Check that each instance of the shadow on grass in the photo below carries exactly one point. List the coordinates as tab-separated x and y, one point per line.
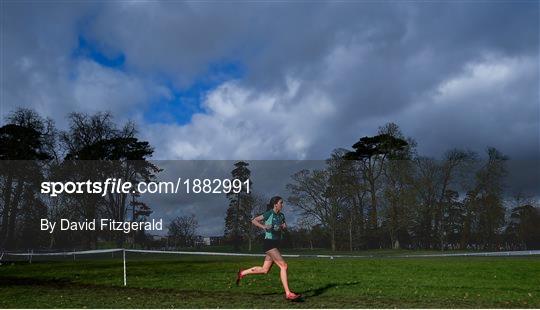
319	290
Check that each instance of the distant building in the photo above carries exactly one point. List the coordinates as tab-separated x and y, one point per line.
158	238
206	241
216	240
198	241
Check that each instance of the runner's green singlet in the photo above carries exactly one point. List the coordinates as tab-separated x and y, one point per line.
275	220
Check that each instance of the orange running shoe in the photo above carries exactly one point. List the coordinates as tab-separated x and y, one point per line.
293	296
239	276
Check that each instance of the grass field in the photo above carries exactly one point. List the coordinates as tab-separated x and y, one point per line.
204	281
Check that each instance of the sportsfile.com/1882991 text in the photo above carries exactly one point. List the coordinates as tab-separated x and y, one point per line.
117	186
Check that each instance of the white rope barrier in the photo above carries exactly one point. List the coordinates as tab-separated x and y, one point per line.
66	253
206	253
506	253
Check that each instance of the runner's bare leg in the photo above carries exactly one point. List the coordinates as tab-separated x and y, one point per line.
258	269
278	259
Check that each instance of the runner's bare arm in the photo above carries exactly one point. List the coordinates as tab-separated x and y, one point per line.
257	221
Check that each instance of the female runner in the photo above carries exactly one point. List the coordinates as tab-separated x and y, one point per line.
273	222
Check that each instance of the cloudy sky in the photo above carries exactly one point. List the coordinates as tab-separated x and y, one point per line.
283	80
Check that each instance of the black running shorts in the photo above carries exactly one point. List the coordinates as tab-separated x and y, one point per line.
269	244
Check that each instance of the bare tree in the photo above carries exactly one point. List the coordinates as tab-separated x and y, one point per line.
182	230
97	149
372	153
454	165
310	194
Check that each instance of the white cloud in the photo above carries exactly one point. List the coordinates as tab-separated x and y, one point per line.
98	88
66	85
487	76
493	102
241	123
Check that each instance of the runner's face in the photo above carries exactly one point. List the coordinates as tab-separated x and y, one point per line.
279	205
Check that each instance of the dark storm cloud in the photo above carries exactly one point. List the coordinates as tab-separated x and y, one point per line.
437	43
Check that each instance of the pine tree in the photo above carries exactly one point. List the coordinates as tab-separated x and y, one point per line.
238	218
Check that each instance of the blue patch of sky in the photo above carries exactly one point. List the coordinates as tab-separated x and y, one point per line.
88	49
185	102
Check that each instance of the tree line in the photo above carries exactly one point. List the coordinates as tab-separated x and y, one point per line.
93	148
382	194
